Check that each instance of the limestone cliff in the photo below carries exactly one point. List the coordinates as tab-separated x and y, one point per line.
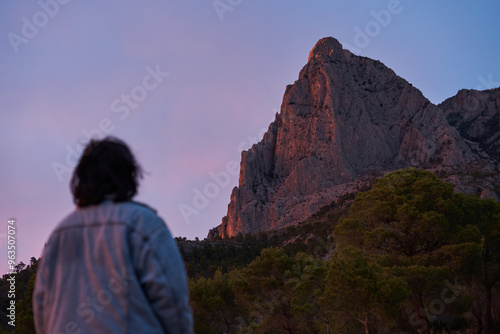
476	115
348	117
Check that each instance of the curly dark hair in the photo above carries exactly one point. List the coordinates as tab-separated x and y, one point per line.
107	168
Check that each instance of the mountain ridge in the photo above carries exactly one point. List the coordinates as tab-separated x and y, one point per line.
349	118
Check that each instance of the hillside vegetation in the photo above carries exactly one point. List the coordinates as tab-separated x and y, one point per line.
410	256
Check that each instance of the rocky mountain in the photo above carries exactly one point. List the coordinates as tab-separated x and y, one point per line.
347	119
476	115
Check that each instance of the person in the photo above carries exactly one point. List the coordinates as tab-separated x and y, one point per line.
112	265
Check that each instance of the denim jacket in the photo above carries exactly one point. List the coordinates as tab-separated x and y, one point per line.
112	268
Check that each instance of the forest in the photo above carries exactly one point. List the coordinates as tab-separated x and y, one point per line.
408	255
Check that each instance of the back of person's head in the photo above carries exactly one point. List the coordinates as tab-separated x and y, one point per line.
107	169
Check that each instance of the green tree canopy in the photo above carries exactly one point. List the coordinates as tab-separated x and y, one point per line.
427	234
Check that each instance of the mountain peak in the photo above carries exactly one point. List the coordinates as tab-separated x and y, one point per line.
327	46
345	119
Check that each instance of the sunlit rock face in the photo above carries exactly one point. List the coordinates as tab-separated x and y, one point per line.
348	117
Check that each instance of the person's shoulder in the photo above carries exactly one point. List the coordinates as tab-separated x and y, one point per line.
135	209
141	206
142	216
70	219
137	216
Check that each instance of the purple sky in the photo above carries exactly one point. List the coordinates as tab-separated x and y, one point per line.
78	66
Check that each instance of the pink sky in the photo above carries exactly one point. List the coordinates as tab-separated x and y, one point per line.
226	81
